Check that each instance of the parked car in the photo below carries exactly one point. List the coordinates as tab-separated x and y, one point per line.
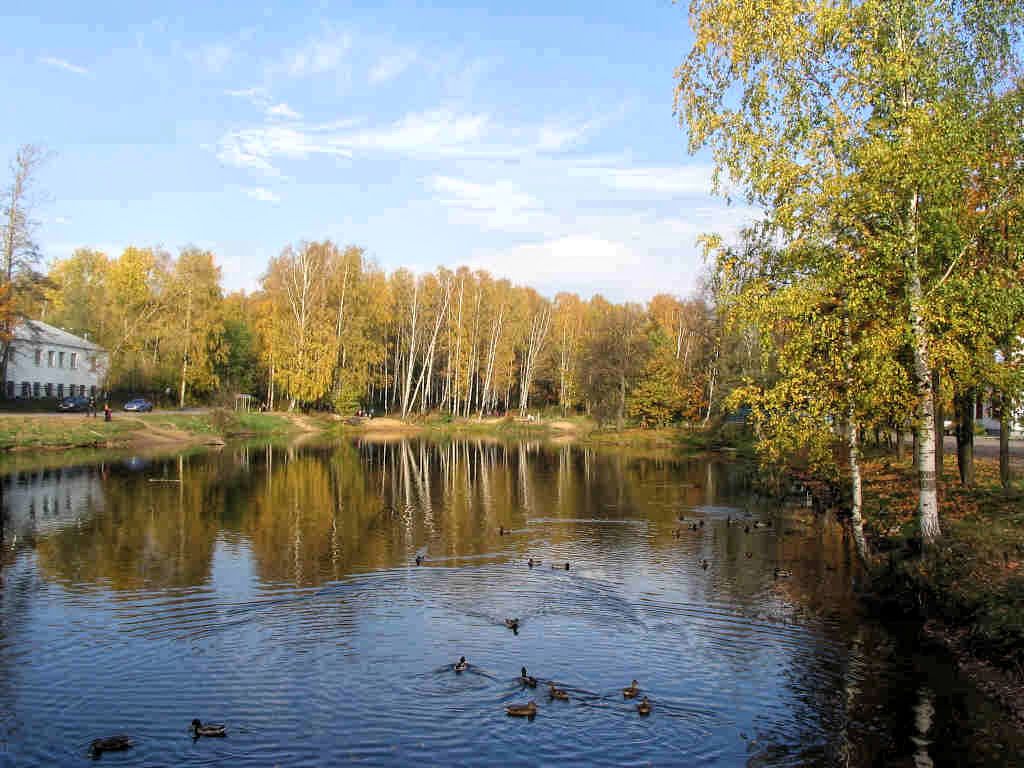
138	404
73	404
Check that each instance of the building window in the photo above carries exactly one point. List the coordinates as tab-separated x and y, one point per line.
49	389
35	389
61	359
25	389
39	357
10	389
60	391
49	358
74	359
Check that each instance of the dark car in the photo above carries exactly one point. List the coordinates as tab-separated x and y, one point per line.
138	404
73	404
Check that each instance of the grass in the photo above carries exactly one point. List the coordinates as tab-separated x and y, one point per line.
36	432
974	578
28	432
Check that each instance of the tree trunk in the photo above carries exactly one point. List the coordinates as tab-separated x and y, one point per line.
857	502
412	349
965	436
1005	477
939	422
928	499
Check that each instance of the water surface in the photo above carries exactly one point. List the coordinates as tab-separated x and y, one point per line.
276	590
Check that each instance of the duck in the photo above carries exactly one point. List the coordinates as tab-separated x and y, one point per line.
530	562
522	710
557	693
557	567
207	730
746	529
461	665
110	744
419	559
701	523
760	524
527	680
704	564
512	624
501	530
631	691
693	526
781	573
644	707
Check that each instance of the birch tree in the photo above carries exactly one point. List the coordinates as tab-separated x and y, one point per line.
837	118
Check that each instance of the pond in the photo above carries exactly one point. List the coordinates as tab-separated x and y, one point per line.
276	590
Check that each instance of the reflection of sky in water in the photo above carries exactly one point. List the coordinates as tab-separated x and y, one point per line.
276	590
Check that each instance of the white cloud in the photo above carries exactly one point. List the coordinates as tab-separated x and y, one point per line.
254	148
391	66
317	56
283	110
439	131
255	95
569	256
261	194
67	66
692	181
501	205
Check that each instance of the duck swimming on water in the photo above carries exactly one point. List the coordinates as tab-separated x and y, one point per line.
110	744
557	693
527	680
207	730
512	624
461	665
631	691
522	710
644	707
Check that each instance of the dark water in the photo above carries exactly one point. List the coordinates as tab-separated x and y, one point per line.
276	590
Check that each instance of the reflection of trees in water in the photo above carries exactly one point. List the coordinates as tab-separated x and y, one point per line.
136	534
315	513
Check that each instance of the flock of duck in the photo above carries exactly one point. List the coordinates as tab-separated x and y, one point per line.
554	693
696	525
120	742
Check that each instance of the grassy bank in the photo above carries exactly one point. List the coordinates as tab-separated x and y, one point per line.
48	432
973	581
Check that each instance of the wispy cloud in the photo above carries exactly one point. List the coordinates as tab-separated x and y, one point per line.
262	194
256	95
64	64
441	132
500	205
317	56
255	148
283	110
391	66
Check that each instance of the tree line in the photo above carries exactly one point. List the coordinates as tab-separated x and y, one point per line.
330	329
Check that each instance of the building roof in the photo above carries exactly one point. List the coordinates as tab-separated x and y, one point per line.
38	332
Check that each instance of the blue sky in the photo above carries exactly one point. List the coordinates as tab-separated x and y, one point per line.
532	139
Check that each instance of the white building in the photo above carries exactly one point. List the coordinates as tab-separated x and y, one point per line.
48	362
